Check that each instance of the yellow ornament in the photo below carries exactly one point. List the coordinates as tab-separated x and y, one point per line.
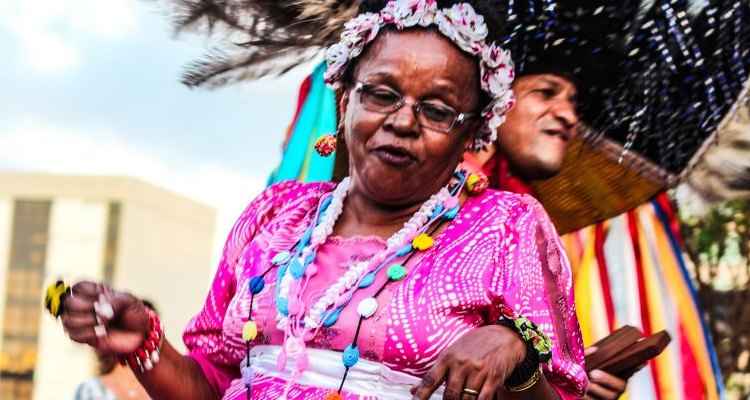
477	183
422	242
249	331
54	297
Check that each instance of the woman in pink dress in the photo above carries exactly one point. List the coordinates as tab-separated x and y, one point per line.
405	280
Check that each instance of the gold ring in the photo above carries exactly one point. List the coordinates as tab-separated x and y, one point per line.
470	392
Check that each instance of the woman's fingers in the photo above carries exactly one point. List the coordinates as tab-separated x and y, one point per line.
608	381
431	381
87	290
474	388
454	384
85	335
78	320
598	392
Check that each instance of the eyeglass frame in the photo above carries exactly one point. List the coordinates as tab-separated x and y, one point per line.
458	120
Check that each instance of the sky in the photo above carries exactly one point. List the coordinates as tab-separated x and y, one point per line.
92	87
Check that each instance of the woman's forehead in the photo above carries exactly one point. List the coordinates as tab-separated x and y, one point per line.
418	54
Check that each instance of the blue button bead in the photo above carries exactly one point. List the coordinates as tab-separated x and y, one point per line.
438	209
404	250
331	318
282	305
351	356
367	280
281	258
452	213
296	268
257	284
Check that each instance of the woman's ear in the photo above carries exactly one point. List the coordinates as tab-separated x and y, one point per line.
343	103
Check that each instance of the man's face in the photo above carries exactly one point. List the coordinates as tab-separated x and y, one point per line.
540	125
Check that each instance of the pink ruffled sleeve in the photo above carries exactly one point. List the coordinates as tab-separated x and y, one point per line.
535	279
203	336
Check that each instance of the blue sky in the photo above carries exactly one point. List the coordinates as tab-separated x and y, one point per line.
91	87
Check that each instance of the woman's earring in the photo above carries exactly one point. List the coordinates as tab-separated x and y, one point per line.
326	144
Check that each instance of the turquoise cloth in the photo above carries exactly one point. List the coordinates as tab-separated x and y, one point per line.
316	118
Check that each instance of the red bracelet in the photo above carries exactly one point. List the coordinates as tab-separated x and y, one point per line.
147	355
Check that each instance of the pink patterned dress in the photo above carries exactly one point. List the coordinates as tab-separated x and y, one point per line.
501	248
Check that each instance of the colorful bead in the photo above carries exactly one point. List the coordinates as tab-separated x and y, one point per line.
451	214
350	356
438	209
325	145
396	272
249	331
477	183
367	280
333	396
367	307
281	258
282	306
257	284
404	250
422	242
331	318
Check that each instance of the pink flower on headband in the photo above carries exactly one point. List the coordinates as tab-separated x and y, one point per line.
461	24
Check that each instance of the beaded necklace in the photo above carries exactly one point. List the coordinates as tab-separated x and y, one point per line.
295	268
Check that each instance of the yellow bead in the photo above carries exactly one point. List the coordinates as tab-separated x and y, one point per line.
471	181
422	242
477	183
249	331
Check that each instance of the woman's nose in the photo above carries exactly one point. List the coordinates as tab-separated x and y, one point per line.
403	121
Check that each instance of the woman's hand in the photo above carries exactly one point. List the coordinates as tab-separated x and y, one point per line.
112	322
479	361
604	386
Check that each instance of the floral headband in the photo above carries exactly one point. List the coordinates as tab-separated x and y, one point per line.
461	24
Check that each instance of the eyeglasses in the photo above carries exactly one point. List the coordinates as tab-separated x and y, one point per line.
430	115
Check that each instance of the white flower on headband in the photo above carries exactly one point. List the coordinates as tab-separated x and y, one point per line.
461	24
408	13
464	27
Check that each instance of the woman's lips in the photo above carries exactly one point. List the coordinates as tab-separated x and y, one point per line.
393	155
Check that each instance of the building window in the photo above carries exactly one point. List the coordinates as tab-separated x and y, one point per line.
110	246
28	252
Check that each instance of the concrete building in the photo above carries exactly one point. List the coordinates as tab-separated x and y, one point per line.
136	236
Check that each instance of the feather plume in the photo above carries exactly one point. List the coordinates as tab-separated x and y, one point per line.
256	38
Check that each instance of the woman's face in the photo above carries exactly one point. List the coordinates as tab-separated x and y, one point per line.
393	160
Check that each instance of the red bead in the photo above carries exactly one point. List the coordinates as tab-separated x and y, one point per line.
150	345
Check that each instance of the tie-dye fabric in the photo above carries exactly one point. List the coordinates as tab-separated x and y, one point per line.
501	248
